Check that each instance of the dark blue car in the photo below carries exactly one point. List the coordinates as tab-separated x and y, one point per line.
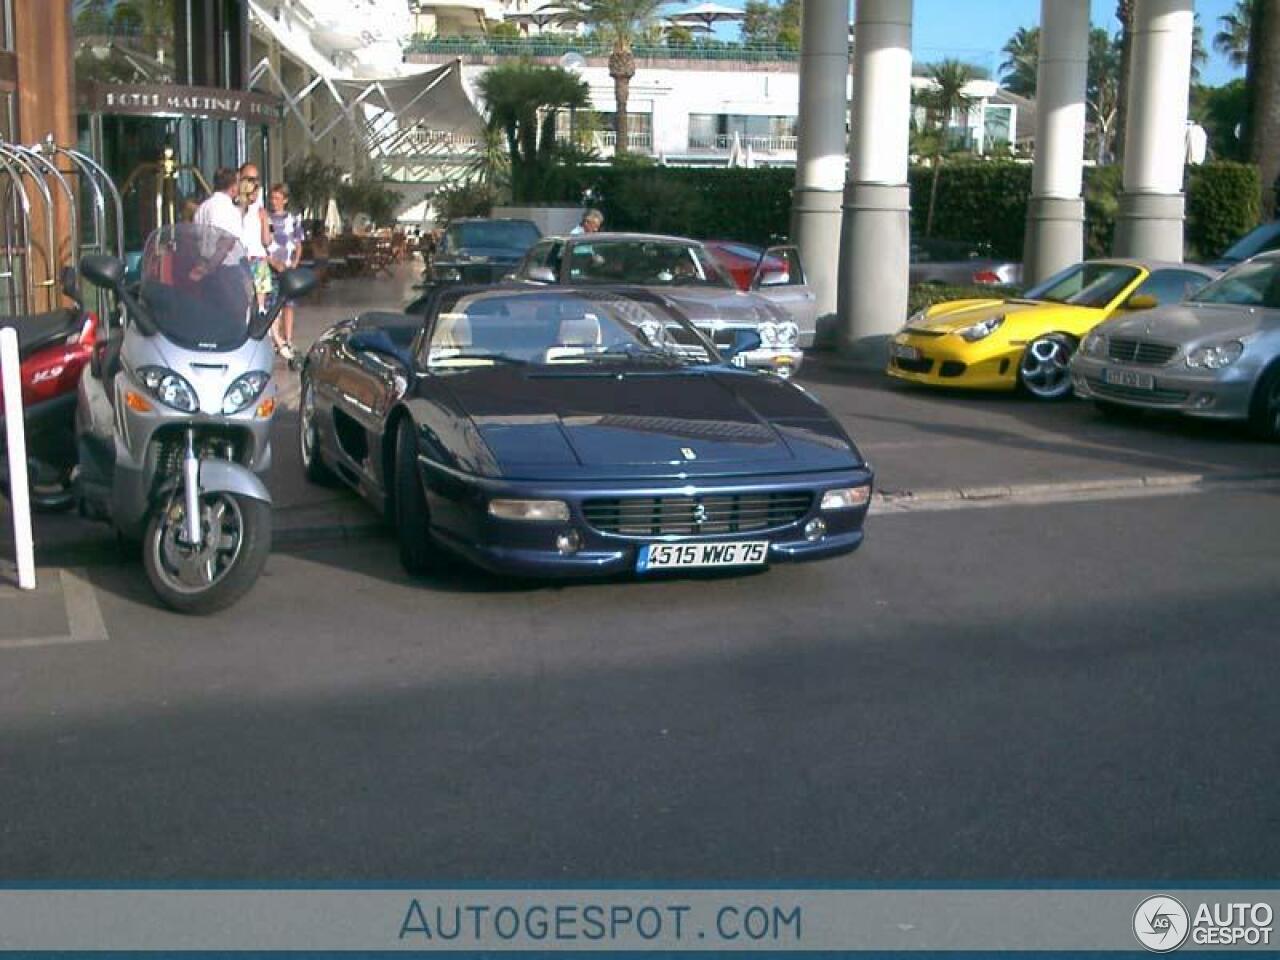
571	432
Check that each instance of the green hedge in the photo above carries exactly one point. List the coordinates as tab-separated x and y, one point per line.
983	202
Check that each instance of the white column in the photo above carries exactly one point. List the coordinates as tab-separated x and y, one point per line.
876	237
820	147
1151	206
1055	216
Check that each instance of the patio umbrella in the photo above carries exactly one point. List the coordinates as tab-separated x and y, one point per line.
332	221
545	16
705	15
736	158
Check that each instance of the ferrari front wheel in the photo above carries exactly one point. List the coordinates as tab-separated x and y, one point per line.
1045	368
418	554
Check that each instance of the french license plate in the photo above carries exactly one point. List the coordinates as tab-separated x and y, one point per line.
904	352
679	556
1129	378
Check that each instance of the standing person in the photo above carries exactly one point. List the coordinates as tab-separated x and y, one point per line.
222	265
591	222
219	209
255	233
283	253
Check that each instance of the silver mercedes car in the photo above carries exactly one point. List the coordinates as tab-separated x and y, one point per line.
1215	355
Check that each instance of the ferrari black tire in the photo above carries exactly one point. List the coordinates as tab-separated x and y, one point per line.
1264	411
238	542
418	554
313	465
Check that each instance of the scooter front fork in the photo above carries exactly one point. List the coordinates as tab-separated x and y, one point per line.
191	490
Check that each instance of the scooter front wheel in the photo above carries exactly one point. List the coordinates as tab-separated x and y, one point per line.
235	542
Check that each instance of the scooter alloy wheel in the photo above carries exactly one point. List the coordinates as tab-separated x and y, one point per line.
235	542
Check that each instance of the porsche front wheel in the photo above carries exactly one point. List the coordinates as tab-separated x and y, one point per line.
418	554
1045	368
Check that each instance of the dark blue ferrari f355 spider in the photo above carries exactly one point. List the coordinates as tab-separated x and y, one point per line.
569	432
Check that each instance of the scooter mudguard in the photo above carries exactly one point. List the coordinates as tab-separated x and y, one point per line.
223	476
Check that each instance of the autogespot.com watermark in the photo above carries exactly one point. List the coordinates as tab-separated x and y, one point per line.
1162	923
427	921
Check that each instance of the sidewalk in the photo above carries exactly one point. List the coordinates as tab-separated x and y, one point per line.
926	446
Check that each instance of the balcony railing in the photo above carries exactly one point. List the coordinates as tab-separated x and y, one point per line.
439	139
723	143
557	47
635	140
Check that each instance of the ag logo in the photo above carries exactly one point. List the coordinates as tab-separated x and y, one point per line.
1161	924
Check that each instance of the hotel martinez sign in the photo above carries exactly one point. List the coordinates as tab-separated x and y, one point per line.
154	100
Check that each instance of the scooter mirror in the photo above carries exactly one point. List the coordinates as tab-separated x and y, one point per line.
297	283
102	270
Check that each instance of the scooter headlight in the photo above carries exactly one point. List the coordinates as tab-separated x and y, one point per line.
169	388
244	390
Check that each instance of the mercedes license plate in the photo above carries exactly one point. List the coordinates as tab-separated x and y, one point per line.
1129	378
679	556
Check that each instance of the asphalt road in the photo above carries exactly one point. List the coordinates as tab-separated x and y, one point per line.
1026	692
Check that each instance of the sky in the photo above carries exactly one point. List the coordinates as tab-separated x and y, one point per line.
975	30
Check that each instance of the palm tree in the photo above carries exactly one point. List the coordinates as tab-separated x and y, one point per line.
523	100
1232	38
1022	61
1124	13
1263	80
945	99
619	22
1102	91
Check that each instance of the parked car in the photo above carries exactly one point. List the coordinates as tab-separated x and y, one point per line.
1003	343
576	431
480	251
1215	356
1260	239
955	263
780	307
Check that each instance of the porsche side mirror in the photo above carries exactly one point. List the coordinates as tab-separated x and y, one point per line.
1141	301
744	341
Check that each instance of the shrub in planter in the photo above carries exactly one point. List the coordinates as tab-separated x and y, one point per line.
1223	200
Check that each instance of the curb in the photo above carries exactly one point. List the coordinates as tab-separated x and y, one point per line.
904	501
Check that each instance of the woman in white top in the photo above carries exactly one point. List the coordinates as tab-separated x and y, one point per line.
256	233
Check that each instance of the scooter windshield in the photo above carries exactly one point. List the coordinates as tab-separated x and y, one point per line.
197	286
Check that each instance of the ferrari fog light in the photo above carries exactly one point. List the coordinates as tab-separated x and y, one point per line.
533	510
845	497
569	542
815	529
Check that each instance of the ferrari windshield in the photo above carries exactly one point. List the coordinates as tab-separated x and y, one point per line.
561	328
1253	284
1085	284
640	261
196	286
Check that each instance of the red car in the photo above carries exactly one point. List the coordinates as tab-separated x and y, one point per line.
740	260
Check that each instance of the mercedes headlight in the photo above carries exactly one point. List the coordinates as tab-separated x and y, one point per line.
1095	345
981	330
788	334
768	331
169	388
1215	356
244	390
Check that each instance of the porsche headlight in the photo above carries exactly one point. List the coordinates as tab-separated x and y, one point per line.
1215	356
1095	345
244	390
788	334
981	330
768	331
169	388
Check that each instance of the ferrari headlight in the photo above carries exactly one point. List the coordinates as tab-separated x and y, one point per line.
1215	356
788	334
843	498
981	330
768	331
536	511
244	390
169	388
1095	345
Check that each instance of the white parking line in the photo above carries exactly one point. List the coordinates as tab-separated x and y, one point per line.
84	616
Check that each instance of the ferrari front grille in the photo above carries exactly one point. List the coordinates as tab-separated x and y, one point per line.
697	516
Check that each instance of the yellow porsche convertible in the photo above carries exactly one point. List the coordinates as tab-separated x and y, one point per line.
1028	341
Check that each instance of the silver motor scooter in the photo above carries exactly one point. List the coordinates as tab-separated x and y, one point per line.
174	412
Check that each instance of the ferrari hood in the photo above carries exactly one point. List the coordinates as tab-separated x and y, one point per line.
597	423
958	314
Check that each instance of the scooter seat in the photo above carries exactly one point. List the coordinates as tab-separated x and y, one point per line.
38	330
